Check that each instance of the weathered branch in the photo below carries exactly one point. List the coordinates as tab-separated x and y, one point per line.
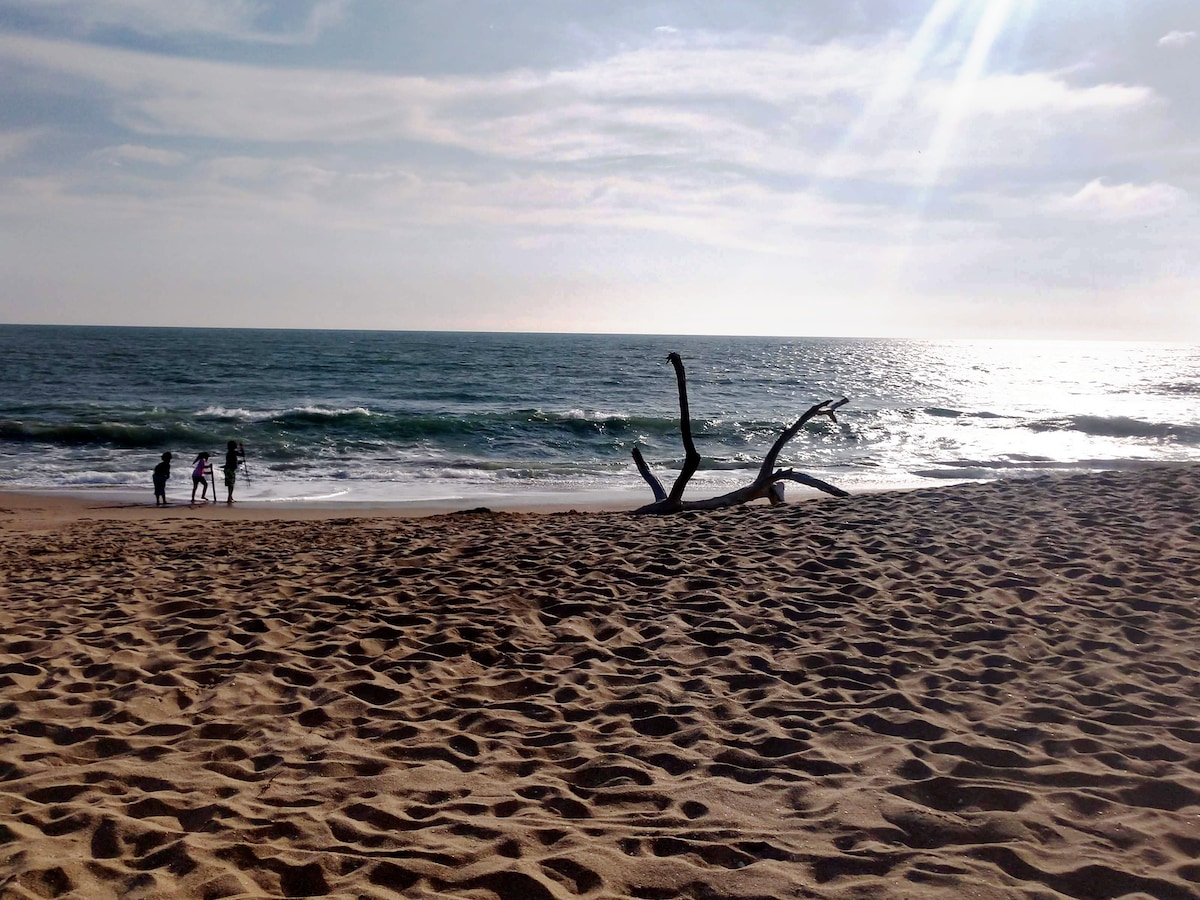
691	459
655	485
762	485
824	408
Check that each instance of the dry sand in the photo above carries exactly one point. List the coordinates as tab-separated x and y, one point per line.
970	692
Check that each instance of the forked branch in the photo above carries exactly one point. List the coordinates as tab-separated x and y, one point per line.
763	484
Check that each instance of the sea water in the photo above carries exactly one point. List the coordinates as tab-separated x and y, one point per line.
380	417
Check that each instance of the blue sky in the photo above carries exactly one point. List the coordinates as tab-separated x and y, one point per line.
948	168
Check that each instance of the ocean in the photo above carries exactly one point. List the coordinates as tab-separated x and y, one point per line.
375	417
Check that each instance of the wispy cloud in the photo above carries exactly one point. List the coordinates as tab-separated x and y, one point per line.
238	20
1176	38
14	143
154	94
1115	202
137	153
401	198
771	105
1047	93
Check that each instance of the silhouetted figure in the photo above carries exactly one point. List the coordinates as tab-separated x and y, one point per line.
200	468
161	473
234	453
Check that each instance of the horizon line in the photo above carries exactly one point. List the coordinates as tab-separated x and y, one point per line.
625	334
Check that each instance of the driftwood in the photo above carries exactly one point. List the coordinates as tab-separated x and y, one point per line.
764	485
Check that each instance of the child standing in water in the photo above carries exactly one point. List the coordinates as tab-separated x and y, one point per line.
201	467
161	473
233	454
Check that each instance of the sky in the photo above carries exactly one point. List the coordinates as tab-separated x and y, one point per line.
916	168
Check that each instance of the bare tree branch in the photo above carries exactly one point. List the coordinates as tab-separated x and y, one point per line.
763	483
655	485
691	459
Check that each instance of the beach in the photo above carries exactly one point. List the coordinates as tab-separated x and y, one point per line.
975	691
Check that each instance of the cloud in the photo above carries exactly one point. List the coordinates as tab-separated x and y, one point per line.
775	71
1176	38
1039	92
769	104
161	95
255	192
14	143
699	140
239	20
137	153
1118	202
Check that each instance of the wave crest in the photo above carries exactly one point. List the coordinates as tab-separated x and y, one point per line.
1121	427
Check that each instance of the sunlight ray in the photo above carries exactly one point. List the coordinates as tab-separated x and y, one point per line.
950	117
881	108
991	21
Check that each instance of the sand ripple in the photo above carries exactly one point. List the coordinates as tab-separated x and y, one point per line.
982	692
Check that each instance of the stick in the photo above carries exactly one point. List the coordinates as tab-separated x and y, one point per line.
245	468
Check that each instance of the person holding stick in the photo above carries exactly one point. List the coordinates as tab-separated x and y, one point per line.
234	453
201	467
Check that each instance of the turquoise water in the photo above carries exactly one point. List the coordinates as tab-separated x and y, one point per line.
397	416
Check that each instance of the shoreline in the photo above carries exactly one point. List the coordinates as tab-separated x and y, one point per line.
60	505
65	504
52	507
